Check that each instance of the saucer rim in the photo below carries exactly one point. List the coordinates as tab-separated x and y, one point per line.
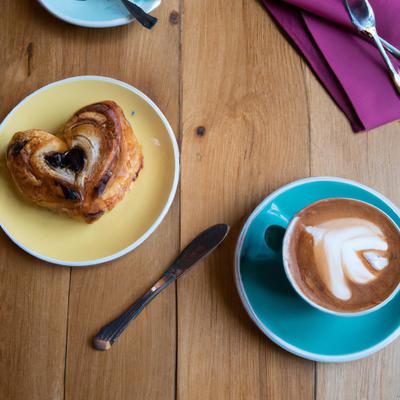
247	304
168	203
93	24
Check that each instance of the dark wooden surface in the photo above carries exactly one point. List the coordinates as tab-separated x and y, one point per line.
250	117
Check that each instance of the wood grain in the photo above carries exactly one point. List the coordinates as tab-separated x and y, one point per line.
235	84
42	49
252	118
33	294
142	364
33	310
371	159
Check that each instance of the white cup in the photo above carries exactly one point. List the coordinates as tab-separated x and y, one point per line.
285	254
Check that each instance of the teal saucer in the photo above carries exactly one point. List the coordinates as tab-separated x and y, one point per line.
95	13
274	305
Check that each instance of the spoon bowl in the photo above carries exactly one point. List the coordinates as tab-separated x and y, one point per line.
363	18
361	13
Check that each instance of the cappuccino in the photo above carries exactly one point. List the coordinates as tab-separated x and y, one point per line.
343	255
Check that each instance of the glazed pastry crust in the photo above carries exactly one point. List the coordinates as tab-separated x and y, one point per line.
84	172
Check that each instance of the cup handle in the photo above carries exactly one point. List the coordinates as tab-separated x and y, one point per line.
273	237
275	231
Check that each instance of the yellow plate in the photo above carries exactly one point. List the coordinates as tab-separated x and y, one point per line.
64	241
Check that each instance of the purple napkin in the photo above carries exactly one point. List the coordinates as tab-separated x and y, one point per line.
349	66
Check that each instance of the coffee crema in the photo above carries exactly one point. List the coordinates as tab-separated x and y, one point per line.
343	255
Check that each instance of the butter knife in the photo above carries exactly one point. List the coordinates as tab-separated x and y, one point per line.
200	247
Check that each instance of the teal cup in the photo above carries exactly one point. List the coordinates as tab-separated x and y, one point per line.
274	304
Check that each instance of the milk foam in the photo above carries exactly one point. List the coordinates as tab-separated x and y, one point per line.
339	247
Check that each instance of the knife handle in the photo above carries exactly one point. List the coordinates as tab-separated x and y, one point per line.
108	335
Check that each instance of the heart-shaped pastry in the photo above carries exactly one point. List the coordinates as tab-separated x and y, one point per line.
84	172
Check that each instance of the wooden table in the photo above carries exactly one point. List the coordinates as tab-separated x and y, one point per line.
213	64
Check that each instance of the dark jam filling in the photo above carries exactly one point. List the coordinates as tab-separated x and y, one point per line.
103	183
17	147
73	159
70	194
91	217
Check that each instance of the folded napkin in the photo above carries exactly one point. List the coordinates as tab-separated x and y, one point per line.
348	65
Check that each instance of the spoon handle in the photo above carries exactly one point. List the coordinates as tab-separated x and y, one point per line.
394	50
392	71
147	20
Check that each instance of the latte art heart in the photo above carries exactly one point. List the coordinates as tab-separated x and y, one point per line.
84	172
348	249
343	255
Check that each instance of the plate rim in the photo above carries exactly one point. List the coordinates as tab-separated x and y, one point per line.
167	204
92	24
247	305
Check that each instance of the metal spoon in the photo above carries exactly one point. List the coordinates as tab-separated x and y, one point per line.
147	20
393	49
194	252
363	19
